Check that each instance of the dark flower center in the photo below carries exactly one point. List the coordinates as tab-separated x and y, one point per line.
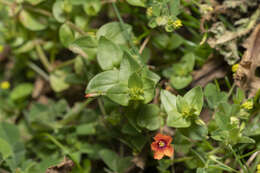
161	144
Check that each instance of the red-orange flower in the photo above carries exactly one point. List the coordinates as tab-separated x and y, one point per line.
162	146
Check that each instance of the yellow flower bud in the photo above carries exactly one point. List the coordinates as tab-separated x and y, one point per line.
247	105
1	48
149	11
5	85
235	67
258	168
177	23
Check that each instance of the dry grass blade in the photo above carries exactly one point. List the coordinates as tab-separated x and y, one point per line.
64	167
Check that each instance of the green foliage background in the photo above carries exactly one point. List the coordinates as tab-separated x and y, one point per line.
56	51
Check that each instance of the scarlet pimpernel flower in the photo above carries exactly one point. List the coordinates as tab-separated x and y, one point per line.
162	146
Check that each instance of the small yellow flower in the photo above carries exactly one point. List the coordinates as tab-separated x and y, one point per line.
247	105
258	168
149	11
235	68
5	85
1	48
177	23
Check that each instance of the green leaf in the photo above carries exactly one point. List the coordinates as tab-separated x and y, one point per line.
85	46
201	170
180	82
128	66
114	162
103	81
112	31
27	47
214	97
66	35
9	133
195	100
119	93
5	149
175	41
223	113
92	7
195	132
175	7
34	2
31	22
246	140
239	96
109	55
138	3
135	81
149	90
146	73
79	65
137	142
149	118
58	12
21	91
57	81
86	129
175	119
161	41
188	60
168	100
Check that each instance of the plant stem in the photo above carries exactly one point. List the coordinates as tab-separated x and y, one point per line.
101	107
71	61
76	28
238	159
38	70
231	90
126	35
43	58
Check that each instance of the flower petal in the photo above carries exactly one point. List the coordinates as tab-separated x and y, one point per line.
158	155
158	137
167	139
154	146
169	151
